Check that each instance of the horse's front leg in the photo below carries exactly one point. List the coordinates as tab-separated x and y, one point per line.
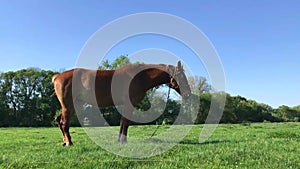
123	130
124	124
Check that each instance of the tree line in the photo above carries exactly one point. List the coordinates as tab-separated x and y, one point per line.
27	99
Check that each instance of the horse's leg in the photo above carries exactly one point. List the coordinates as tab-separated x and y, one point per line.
64	95
125	124
57	120
65	125
121	128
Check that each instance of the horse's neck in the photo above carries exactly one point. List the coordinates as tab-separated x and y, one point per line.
158	75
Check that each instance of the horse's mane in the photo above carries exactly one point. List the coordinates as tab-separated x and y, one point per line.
146	66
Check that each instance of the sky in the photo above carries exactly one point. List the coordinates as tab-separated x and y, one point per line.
258	42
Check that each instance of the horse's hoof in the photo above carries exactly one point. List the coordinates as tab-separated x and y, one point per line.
66	144
69	144
122	141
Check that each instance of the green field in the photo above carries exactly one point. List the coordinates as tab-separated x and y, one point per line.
261	145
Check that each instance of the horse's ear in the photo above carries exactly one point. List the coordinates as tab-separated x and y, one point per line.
179	66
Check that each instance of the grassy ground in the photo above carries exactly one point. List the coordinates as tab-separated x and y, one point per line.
265	145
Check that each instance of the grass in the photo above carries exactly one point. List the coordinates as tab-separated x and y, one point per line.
260	145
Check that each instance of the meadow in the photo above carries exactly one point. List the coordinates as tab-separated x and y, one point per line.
250	145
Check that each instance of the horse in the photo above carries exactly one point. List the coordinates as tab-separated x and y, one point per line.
125	86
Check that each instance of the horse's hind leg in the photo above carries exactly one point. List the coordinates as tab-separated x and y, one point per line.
64	95
63	121
57	120
65	125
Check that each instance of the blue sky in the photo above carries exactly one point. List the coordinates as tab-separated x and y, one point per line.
258	42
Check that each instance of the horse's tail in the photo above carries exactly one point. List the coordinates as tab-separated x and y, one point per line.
53	81
54	77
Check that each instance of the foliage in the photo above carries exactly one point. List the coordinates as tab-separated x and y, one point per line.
118	62
239	110
27	98
287	113
263	145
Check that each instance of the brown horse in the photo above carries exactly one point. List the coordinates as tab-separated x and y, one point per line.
124	86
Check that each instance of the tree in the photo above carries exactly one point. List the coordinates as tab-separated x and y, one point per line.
230	109
199	85
118	62
297	109
28	97
287	114
4	109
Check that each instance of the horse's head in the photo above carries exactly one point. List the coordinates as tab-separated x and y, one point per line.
178	81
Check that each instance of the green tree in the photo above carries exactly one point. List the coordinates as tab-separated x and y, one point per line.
238	109
287	113
117	63
205	101
230	109
170	113
5	111
28	97
297	109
